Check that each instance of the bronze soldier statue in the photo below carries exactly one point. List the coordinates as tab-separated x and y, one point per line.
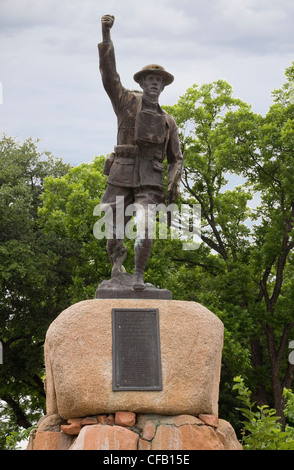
146	134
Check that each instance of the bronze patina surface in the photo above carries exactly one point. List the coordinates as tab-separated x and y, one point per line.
136	349
146	135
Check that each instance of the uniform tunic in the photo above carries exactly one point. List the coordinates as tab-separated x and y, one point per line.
146	134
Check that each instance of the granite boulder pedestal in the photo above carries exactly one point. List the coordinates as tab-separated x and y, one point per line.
83	404
78	357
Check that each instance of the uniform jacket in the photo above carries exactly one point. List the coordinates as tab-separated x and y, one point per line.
138	160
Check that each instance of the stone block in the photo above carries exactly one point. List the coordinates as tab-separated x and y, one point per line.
50	423
102	419
78	357
50	440
151	432
227	436
186	437
148	430
98	437
210	420
89	420
144	445
125	418
73	427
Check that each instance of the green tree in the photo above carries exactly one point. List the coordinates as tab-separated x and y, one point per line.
222	140
243	270
29	290
262	429
67	214
238	168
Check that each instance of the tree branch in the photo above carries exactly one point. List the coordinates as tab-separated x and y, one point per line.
263	289
195	263
286	248
21	418
279	276
219	248
284	339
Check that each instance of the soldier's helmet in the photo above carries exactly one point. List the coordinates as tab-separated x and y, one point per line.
168	78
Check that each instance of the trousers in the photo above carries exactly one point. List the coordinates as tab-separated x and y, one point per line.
115	203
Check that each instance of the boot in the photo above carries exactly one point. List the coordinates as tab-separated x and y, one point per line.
117	253
138	280
142	252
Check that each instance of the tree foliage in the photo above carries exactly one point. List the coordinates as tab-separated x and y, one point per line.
245	265
67	213
262	429
31	290
239	170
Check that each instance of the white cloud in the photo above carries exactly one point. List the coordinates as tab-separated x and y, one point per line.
49	61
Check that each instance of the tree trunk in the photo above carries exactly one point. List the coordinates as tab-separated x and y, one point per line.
259	395
21	418
277	389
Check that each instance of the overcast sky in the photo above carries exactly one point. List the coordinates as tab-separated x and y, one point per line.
49	69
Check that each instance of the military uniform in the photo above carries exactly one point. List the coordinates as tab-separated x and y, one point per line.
146	134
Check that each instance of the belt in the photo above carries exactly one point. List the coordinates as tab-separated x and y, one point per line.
127	150
146	152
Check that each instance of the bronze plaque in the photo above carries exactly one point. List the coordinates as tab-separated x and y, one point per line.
136	349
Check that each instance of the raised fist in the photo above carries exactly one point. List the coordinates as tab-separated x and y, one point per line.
107	21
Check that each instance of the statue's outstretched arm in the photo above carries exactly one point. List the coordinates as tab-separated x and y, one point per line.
107	23
110	77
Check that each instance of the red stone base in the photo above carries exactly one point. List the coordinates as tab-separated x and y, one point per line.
128	431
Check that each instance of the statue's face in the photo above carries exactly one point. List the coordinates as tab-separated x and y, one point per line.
153	85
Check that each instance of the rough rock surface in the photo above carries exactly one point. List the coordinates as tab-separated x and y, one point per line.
78	357
148	432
